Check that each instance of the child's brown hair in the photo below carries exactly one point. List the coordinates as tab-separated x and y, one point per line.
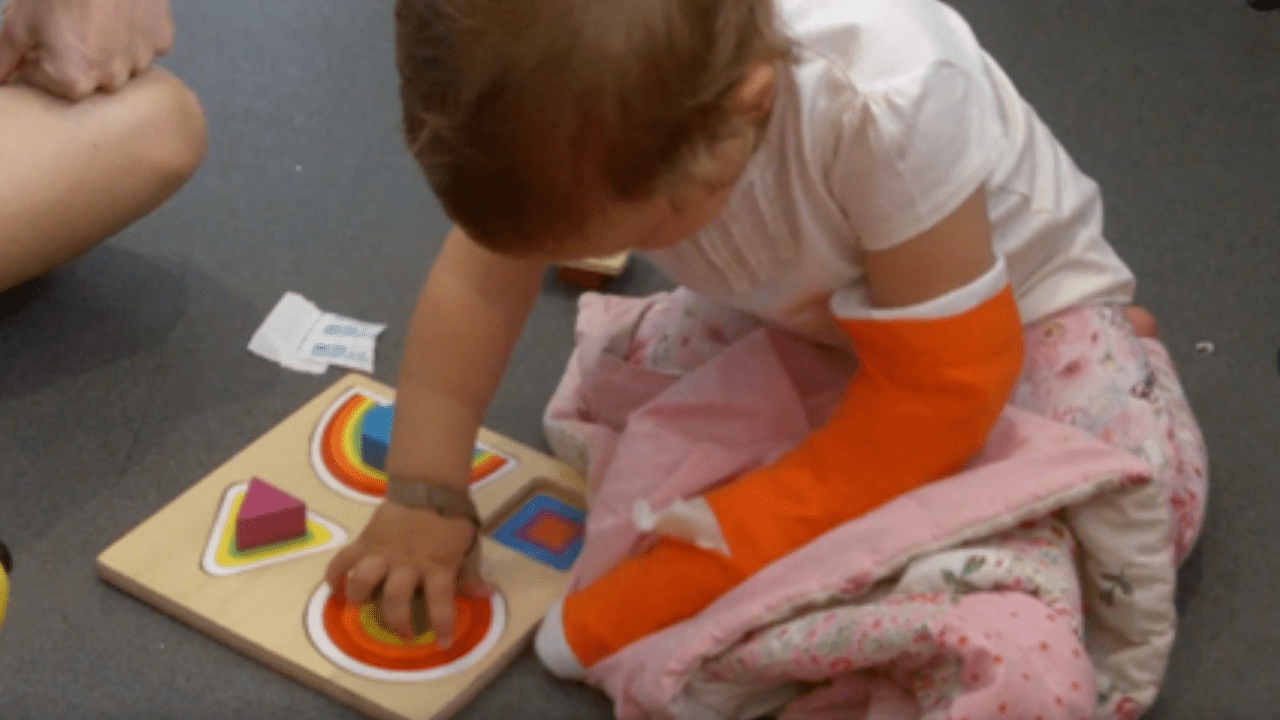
515	107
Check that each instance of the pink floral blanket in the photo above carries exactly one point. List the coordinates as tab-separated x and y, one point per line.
1039	583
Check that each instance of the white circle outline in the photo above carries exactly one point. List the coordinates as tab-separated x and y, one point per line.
320	638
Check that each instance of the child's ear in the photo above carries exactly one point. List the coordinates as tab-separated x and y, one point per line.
755	93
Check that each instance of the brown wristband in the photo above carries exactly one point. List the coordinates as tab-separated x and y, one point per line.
445	500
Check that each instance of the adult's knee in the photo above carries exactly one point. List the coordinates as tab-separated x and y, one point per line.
172	133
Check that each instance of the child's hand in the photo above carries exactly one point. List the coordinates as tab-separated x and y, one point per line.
411	548
73	48
469	315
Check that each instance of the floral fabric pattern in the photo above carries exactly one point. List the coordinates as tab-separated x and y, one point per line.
993	628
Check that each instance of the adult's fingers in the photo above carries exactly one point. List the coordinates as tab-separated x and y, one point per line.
397	598
165	37
140	58
117	75
14	44
62	82
441	585
154	22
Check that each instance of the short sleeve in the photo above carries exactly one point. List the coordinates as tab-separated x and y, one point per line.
906	154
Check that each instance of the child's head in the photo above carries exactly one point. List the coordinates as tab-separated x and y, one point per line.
567	128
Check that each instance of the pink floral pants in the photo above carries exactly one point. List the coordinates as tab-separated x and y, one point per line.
1086	367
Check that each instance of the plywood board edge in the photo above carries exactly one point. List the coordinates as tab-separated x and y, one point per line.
273	661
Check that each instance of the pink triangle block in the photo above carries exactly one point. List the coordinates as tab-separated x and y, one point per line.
268	515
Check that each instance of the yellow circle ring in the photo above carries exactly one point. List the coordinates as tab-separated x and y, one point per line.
371	619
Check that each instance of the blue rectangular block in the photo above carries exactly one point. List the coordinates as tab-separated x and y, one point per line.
375	436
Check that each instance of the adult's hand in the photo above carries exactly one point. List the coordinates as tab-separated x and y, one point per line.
73	48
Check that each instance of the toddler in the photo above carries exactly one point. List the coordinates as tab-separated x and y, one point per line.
859	172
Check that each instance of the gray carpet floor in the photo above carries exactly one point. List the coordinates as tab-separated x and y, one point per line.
124	378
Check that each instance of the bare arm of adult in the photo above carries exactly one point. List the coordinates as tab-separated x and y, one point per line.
469	315
73	48
72	174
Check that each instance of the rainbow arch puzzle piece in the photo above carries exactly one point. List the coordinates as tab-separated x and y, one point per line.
348	448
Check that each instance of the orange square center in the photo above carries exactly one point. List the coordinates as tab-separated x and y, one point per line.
552	532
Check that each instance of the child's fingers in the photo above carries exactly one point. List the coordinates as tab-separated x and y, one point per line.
441	586
336	572
397	598
364	577
473	582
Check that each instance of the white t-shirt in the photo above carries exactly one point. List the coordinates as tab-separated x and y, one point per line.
890	118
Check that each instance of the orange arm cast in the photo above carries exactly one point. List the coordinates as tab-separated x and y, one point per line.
939	336
919	409
941	346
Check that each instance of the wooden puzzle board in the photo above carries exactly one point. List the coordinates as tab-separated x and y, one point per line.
260	612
